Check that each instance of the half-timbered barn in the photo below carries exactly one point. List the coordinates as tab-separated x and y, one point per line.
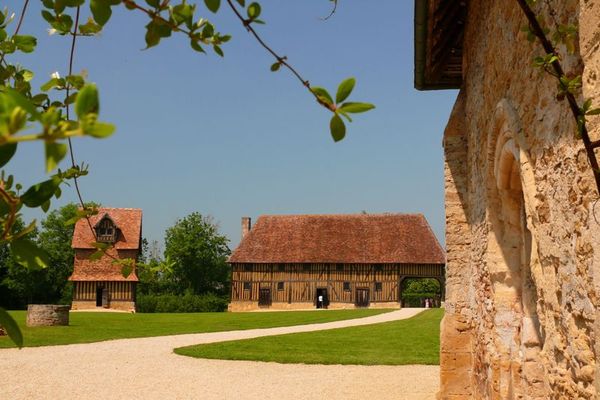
101	283
331	261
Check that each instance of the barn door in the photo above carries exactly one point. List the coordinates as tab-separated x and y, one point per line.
264	297
105	298
362	297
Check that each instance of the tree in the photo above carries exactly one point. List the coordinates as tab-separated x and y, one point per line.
198	254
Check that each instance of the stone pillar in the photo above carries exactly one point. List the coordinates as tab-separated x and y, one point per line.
455	336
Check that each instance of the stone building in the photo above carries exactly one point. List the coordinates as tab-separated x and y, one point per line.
331	261
100	283
522	221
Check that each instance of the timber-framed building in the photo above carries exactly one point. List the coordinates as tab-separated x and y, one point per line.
331	261
100	283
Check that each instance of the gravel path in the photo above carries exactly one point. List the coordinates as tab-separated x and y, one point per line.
147	368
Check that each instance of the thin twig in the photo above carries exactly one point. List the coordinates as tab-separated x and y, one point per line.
335	4
575	110
21	17
67	106
280	59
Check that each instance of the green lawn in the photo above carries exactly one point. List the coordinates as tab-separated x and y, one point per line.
410	341
86	327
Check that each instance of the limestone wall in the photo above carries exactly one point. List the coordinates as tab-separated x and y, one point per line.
523	264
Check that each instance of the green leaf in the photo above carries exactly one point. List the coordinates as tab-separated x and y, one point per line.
218	50
41	192
100	11
12	329
7	151
154	32
90	126
153	3
196	46
322	94
25	43
90	27
275	66
253	10
126	270
55	152
213	5
242	3
356	108
337	128
52	83
594	111
344	90
95	256
28	254
87	100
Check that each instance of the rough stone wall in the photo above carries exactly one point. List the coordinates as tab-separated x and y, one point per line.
523	264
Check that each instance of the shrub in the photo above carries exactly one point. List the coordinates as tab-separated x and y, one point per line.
171	303
418	299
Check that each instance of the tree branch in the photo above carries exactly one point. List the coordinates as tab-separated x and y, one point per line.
575	110
280	59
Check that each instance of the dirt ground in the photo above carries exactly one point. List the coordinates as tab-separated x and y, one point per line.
147	368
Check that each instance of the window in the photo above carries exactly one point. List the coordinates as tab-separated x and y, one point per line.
281	267
247	285
306	267
279	285
378	267
247	267
346	286
378	286
106	231
339	267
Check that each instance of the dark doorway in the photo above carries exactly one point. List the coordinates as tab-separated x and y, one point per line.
362	297
322	299
264	297
99	291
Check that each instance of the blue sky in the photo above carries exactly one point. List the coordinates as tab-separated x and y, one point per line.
228	138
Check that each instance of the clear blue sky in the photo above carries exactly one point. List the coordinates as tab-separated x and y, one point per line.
228	138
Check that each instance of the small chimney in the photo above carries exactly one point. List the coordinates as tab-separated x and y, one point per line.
246	226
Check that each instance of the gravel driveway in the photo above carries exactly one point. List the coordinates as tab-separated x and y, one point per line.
147	368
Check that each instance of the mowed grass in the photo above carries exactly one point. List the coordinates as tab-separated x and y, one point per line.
411	341
87	327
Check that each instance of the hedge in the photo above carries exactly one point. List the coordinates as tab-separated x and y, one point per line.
171	303
416	299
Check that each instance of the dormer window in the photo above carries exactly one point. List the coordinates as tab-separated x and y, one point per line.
106	230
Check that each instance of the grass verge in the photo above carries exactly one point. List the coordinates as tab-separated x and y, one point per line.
87	327
410	341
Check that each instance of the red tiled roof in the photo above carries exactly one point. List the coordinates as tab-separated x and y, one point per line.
104	269
128	220
360	238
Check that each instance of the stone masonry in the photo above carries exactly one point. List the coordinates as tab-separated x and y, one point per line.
523	223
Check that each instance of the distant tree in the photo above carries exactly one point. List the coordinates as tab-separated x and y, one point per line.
198	254
55	238
421	285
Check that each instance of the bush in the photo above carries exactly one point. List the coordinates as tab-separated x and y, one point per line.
418	299
188	303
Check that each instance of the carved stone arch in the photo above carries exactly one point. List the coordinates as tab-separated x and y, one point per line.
511	258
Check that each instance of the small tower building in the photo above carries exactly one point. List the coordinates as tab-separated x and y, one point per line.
100	283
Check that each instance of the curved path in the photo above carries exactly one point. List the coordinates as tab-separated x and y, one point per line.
147	368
